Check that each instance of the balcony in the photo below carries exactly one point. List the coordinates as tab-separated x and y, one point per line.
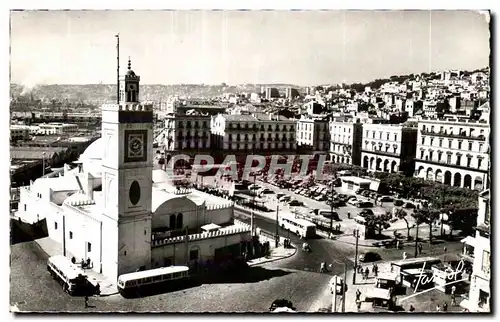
384	153
452	135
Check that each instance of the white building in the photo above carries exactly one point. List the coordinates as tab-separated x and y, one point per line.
256	132
345	141
116	211
313	134
186	133
56	128
478	251
19	132
388	148
454	152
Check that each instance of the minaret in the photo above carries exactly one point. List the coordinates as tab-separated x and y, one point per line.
127	165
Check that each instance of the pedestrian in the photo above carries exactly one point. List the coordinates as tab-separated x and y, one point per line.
438	308
453	302
86	301
375	271
445	249
358	294
420	248
445	307
367	272
453	290
358	304
412	309
397	244
404	255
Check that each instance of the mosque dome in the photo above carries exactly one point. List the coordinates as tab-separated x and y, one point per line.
91	158
93	151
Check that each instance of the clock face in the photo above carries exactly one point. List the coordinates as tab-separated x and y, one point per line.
135	144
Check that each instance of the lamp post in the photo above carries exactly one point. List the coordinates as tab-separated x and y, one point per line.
43	164
416	241
356	235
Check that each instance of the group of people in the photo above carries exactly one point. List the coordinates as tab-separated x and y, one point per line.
366	271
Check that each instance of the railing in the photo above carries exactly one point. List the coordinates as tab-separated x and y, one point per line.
452	135
194	237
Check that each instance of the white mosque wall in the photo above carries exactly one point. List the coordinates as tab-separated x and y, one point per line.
178	251
134	244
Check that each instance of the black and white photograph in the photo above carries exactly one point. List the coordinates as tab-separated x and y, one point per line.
250	161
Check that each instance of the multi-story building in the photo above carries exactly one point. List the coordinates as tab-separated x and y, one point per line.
313	135
19	132
389	148
454	152
252	133
345	141
57	128
188	134
477	251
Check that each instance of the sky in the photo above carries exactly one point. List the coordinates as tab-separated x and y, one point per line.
237	47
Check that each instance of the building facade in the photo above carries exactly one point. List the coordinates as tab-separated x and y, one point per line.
389	148
454	152
477	251
188	134
313	135
346	142
257	133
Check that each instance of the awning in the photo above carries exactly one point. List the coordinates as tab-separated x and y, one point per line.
210	227
378	293
469	240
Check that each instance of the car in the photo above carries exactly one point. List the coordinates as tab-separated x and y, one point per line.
365	193
365	204
340	284
359	191
285	198
295	203
353	202
385	199
398	202
365	212
369	257
352	197
409	205
280	303
320	198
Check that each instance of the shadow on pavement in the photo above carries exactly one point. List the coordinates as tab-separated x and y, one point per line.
21	232
252	274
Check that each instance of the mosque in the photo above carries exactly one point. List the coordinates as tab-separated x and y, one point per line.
116	211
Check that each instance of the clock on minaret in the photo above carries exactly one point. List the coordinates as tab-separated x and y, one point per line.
135	145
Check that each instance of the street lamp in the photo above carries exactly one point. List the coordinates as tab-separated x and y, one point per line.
356	235
43	164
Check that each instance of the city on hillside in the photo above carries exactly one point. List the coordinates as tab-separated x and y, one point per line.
390	214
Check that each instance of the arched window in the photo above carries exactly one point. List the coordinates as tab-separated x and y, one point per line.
172	222
179	221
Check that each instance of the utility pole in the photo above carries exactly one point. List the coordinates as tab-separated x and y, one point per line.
253	205
356	235
416	243
277	227
344	285
331	208
187	246
334	299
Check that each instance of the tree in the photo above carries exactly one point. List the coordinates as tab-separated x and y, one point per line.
401	214
378	222
426	216
463	219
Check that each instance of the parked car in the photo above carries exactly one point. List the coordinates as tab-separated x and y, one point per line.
409	205
365	193
398	202
280	303
320	198
285	198
365	204
353	202
369	257
385	199
365	212
351	197
359	191
295	203
266	191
